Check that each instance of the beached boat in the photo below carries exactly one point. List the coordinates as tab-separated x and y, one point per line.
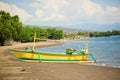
24	55
69	56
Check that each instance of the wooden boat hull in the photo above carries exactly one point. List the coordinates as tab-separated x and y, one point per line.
48	57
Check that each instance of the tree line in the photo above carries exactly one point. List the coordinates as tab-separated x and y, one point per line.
12	29
80	35
107	33
49	33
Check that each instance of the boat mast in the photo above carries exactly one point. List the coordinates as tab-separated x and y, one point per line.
34	41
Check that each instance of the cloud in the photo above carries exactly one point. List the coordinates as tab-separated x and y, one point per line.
48	11
112	14
14	10
64	12
74	11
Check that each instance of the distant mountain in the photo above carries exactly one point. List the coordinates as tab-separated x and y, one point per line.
83	27
66	30
96	27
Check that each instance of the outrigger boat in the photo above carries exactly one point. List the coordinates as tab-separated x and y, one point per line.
81	56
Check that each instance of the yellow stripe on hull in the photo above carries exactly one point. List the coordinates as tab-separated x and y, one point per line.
63	57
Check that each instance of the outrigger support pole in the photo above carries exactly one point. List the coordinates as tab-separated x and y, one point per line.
93	57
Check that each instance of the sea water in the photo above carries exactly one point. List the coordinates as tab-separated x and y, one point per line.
105	49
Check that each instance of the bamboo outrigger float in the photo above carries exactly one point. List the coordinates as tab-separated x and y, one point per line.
82	56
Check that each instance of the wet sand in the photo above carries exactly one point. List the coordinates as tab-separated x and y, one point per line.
12	69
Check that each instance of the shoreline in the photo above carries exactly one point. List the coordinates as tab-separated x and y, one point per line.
12	69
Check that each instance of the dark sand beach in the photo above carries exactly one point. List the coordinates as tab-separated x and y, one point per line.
12	69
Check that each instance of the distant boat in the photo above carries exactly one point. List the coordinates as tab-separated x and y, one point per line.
69	56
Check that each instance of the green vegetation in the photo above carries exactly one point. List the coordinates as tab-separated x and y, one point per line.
108	33
53	33
50	33
10	27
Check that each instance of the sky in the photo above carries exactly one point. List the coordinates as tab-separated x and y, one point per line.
64	12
